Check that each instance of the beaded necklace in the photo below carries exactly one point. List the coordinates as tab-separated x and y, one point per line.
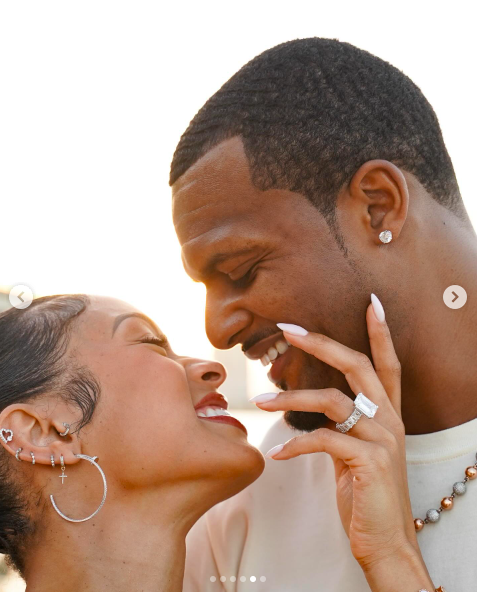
447	503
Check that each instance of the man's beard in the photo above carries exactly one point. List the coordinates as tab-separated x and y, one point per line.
313	375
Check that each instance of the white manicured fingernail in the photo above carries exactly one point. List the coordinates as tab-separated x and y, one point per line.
275	450
263	398
292	329
378	308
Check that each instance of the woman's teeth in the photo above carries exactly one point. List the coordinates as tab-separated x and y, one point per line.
274	352
212	412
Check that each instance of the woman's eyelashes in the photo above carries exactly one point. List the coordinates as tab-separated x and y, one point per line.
154	340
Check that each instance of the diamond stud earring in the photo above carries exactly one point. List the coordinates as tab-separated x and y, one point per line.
386	236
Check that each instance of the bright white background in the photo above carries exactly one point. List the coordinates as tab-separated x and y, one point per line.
95	95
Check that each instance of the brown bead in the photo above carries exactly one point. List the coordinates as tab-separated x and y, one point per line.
471	472
418	524
447	503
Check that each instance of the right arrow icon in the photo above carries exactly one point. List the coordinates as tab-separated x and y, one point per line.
455	297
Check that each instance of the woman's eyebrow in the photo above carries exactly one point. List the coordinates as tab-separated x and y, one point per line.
139	315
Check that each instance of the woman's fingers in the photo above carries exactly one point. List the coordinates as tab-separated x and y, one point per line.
356	366
353	452
332	402
386	363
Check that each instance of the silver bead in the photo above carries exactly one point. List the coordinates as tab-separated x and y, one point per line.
459	488
432	515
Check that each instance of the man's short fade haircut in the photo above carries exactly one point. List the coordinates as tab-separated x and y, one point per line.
311	111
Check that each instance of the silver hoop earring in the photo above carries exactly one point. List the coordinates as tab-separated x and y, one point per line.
32	458
65	433
52	460
92	460
6	435
386	236
17	454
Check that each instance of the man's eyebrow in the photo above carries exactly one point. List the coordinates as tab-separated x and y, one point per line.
219	258
139	315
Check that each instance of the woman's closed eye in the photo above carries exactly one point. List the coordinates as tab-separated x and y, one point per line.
154	340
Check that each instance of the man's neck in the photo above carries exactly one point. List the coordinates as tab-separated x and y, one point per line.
439	382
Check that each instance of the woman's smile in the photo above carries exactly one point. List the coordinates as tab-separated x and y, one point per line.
213	407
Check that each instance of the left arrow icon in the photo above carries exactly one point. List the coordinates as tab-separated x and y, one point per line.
21	296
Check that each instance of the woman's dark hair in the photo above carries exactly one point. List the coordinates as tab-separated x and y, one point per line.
33	344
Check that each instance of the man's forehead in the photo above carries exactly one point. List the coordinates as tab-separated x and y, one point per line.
215	191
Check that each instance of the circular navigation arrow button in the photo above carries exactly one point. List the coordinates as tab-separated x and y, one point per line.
455	297
20	296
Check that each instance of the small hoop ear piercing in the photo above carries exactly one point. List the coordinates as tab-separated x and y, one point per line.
17	453
6	435
386	236
52	460
92	460
32	458
65	433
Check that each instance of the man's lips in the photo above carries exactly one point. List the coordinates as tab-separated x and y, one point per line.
261	347
275	374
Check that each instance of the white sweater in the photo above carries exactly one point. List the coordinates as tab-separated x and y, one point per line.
286	528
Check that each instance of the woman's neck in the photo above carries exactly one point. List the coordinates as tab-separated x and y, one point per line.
128	546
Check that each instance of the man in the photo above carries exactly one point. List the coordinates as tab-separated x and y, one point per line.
284	187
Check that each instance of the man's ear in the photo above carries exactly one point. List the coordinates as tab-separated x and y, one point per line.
378	195
36	427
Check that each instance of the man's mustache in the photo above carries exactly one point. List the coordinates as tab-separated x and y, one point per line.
256	337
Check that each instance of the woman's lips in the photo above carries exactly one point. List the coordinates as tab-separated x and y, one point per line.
226	419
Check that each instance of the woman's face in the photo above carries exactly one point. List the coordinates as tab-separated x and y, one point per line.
150	428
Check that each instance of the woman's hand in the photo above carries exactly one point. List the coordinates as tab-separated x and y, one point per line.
370	459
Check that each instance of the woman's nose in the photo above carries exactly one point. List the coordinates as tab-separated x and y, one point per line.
206	372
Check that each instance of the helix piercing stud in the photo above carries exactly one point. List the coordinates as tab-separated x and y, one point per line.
6	435
17	453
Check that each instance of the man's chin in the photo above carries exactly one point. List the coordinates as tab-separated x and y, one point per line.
305	421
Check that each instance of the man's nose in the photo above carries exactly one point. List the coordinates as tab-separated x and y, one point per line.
225	318
205	373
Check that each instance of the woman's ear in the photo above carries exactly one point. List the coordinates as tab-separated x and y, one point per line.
380	197
35	428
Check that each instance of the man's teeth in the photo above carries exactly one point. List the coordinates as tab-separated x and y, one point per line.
274	352
212	412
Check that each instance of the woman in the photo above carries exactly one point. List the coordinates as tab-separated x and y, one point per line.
90	387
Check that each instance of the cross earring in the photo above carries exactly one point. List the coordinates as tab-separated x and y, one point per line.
62	476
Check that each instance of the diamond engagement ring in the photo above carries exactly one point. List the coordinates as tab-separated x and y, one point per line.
362	406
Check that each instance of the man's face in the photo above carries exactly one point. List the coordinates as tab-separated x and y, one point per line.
267	257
